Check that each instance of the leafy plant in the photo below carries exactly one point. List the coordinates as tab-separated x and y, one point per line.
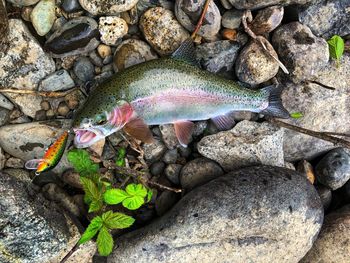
120	161
101	225
336	48
81	162
296	115
133	197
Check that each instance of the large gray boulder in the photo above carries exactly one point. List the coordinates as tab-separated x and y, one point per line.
252	215
257	4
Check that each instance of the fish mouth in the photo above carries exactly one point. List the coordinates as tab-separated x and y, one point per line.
86	137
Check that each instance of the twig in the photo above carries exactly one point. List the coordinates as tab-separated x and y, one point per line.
200	21
48	94
70	253
320	135
337	134
320	84
248	18
140	176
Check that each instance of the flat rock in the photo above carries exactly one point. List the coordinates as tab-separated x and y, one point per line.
245	215
332	244
23	63
257	4
248	143
58	81
300	51
5	102
29	104
323	110
43	16
33	229
107	7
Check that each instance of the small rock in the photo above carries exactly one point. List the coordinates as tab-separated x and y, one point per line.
333	170
40	115
63	109
46	232
188	13
71	6
169	136
104	51
72	178
112	28
77	36
267	20
248	143
165	201
96	59
4	116
294	42
225	218
289	165
2	159
198	172
332	244
107	7
45	105
97	147
185	152
257	4
23	2
156	23
232	19
327	18
25	13
226	4
132	52
153	151
23	63
254	65
306	169
199	128
29	104
14	163
84	69
172	173
5	103
170	156
242	115
157	168
50	113
325	194
43	16
218	56
84	253
229	34
58	81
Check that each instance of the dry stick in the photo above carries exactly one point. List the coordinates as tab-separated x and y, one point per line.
70	253
140	176
320	84
321	135
200	21
48	94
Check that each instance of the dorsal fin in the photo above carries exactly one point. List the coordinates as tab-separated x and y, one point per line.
187	52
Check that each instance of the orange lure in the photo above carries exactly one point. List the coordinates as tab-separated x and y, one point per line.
51	157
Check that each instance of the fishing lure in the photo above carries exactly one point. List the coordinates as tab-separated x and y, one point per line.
51	157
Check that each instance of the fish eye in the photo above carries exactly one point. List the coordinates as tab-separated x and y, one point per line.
101	119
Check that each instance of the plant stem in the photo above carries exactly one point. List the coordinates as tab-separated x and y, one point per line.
48	94
200	21
70	253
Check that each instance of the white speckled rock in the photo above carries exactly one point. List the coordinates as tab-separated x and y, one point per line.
23	63
111	29
43	16
243	216
248	143
162	30
107	7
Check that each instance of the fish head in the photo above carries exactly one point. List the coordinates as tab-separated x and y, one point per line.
90	127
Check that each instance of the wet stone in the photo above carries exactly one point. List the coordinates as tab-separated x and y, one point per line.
170	156
112	28
172	173
43	16
107	7
79	35
157	168
267	20
71	6
58	81
232	19
84	69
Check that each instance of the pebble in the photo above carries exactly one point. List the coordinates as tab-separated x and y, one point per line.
156	23
14	163
104	51
45	105
185	152
77	36
294	42
107	7
232	19
25	13
57	81
325	194
198	172
50	113
170	156
248	143
218	56
258	4
2	159
132	52
199	128
254	66
306	169
229	34
63	109
233	211
72	178
169	136
172	173
40	115
24	64
84	69
165	201
112	28
333	170
157	168
153	151
4	116
188	12
96	59
71	6
43	16
23	2
5	102
267	20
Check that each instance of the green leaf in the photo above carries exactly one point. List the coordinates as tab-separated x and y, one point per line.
91	230
90	188
114	196
336	47
149	195
120	162
296	115
117	220
121	153
136	190
104	242
95	205
133	203
81	162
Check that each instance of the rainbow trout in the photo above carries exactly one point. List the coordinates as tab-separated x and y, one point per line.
168	90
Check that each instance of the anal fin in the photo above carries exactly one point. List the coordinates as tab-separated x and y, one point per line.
183	131
139	129
223	122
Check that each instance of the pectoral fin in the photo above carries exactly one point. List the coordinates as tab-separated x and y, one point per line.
138	129
33	164
223	122
183	131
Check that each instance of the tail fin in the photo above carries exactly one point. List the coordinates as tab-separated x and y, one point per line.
275	107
